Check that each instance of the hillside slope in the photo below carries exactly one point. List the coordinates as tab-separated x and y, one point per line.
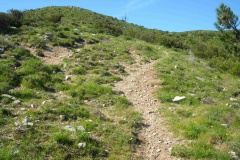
72	86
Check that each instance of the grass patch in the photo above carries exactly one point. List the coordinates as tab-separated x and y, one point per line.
205	116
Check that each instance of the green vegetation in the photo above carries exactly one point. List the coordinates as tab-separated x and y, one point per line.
39	99
226	19
209	115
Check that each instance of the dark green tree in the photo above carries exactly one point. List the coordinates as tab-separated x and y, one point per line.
4	21
16	17
227	20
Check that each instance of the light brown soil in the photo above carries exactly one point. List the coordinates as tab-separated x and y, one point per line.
140	88
53	55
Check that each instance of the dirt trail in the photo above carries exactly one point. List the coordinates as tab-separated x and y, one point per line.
140	88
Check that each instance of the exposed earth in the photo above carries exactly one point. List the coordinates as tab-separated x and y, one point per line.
140	87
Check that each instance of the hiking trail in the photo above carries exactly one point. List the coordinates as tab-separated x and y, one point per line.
140	87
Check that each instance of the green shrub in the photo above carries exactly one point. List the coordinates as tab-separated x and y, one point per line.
199	150
37	42
73	112
5	21
236	70
6	112
64	139
62	86
53	17
7	153
4	87
90	90
93	147
25	93
37	81
122	102
21	53
65	42
8	76
79	70
16	17
32	66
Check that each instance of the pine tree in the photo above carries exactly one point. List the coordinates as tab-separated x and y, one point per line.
227	20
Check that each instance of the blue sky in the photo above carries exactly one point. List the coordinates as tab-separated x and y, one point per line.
167	15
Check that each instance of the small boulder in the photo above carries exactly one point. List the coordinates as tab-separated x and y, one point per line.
23	109
82	145
68	77
80	128
8	96
178	98
25	120
28	124
33	106
69	128
233	99
224	125
48	37
75	30
233	154
44	102
235	105
62	117
17	102
1	50
17	123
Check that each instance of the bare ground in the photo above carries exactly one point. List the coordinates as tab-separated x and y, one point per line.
140	88
53	55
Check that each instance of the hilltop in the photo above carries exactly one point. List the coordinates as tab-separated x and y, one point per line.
76	84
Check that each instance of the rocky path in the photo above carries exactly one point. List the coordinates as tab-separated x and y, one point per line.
140	88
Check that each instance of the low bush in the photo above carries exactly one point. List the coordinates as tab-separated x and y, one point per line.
64	139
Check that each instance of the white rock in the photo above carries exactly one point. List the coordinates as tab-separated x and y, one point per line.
233	154
33	106
235	105
17	102
69	128
62	117
80	128
224	125
23	109
233	99
26	120
17	123
192	94
201	79
68	77
44	102
28	124
178	98
75	30
225	89
82	145
8	96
